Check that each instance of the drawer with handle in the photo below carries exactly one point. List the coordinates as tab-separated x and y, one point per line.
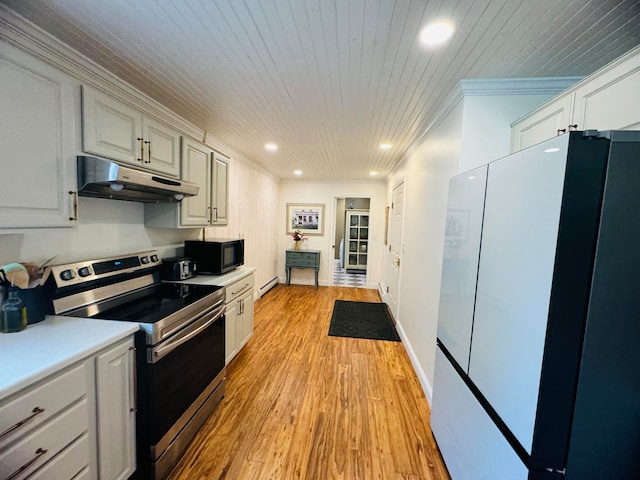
302	259
29	410
68	463
36	449
236	289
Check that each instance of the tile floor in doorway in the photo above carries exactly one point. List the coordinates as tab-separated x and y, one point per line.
343	279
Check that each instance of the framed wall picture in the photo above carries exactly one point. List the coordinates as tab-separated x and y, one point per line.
305	217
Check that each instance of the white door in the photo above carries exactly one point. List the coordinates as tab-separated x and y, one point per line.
395	247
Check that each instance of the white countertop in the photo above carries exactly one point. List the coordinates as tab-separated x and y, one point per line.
55	343
221	280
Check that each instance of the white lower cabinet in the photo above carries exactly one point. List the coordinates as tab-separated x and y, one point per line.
239	315
231	333
245	318
116	412
77	423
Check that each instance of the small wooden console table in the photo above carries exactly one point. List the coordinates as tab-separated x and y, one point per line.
302	259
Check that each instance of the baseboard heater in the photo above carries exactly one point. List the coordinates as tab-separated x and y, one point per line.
267	286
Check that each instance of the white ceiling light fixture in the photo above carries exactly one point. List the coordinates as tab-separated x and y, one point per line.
373	173
297	172
385	146
436	33
272	147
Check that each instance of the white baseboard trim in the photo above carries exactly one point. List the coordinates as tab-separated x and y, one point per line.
268	286
422	378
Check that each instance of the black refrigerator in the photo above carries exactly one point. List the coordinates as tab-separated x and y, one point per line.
537	372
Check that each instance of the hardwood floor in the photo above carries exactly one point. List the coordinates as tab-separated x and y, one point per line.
302	404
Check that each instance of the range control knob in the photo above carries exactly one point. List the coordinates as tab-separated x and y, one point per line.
67	275
144	260
154	258
84	272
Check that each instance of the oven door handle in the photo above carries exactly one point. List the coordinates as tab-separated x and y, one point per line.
157	353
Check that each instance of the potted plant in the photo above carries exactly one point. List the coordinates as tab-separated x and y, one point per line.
298	237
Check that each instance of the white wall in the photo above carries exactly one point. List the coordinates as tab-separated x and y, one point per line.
486	129
325	192
426	173
105	228
471	130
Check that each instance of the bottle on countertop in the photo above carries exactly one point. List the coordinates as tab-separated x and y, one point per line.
13	316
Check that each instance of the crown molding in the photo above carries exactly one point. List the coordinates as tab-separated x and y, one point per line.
490	87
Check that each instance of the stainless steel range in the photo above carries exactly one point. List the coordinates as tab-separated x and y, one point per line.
180	347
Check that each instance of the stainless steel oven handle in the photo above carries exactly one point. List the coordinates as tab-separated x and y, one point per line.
161	351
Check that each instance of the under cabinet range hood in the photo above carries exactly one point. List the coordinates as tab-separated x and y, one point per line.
101	178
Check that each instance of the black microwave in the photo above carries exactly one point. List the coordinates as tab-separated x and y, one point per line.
215	256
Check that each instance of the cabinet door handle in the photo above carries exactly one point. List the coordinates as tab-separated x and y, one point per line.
573	127
561	131
210	221
141	140
74	205
148	160
39	453
215	218
34	412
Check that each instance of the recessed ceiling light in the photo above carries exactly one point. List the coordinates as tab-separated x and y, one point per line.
385	146
373	174
436	33
272	147
297	172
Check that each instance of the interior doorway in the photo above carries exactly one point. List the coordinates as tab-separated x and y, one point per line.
351	241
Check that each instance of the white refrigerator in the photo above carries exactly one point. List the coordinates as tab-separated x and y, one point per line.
538	359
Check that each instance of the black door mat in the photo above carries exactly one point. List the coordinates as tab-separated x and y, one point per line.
362	320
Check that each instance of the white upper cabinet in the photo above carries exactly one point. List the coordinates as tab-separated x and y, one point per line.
113	129
196	168
209	170
552	119
110	128
606	100
220	190
37	142
161	147
610	101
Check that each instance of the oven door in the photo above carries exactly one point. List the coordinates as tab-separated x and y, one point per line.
178	378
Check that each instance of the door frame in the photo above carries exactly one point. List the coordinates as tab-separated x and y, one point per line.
333	246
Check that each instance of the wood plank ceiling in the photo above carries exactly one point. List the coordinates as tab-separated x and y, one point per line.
329	80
